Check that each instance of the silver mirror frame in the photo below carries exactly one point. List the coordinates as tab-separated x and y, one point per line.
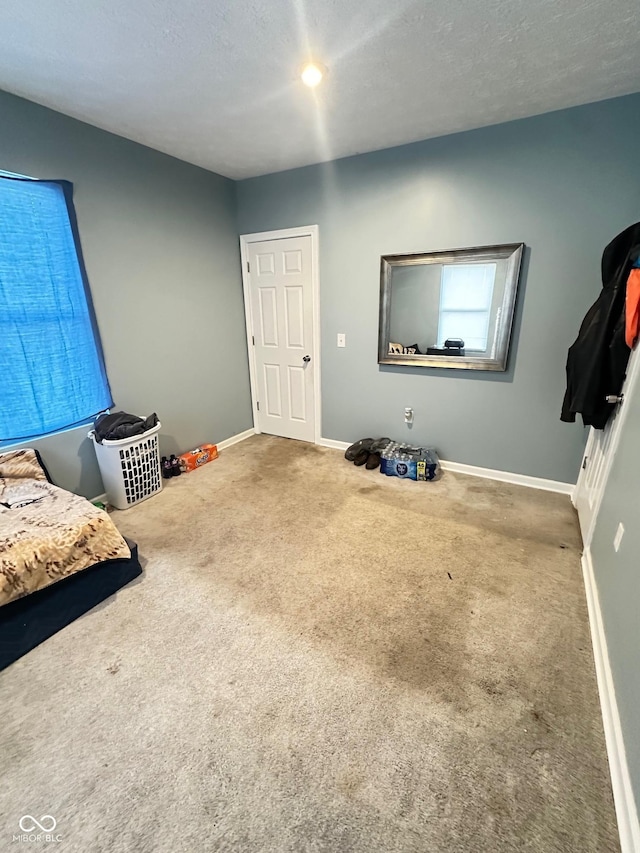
512	252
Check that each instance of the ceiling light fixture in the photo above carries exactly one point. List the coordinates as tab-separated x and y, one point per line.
312	74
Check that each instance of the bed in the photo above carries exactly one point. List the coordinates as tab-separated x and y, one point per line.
60	555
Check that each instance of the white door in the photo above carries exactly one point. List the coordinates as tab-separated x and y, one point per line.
281	294
598	456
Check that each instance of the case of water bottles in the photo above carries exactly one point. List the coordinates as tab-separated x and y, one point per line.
408	462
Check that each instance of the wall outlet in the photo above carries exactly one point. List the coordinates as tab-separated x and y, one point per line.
342	339
617	539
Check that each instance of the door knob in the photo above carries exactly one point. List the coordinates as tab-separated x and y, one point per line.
307	359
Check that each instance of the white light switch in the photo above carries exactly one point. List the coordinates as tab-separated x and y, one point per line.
342	339
617	539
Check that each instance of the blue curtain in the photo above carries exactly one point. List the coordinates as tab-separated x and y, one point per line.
52	372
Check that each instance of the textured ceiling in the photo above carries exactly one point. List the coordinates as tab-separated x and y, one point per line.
215	82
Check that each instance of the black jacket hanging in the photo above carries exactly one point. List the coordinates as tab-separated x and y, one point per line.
597	361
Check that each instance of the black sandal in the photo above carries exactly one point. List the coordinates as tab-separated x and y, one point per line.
372	462
362	457
351	452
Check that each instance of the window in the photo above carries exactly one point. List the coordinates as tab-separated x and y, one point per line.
51	363
466	294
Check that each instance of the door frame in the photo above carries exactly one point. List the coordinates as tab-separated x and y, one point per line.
245	241
628	388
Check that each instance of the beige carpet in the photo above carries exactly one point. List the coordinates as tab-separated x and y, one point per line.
319	658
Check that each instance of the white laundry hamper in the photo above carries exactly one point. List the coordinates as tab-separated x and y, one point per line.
130	467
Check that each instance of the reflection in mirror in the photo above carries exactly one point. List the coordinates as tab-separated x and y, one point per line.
449	309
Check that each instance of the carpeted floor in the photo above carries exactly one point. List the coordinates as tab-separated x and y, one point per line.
319	658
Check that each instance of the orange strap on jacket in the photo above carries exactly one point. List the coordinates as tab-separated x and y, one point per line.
632	308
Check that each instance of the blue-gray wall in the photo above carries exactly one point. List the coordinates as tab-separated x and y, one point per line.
564	183
161	249
160	242
618	579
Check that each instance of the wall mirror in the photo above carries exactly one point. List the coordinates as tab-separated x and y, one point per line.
449	309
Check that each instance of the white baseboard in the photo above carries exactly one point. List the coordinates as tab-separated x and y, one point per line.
509	477
234	439
458	467
487	473
626	809
102	498
336	445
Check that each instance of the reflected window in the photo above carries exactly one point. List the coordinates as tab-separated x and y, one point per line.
466	298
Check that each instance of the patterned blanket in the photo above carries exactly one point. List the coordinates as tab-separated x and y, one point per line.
46	533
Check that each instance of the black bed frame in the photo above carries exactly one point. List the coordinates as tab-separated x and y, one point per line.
29	621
